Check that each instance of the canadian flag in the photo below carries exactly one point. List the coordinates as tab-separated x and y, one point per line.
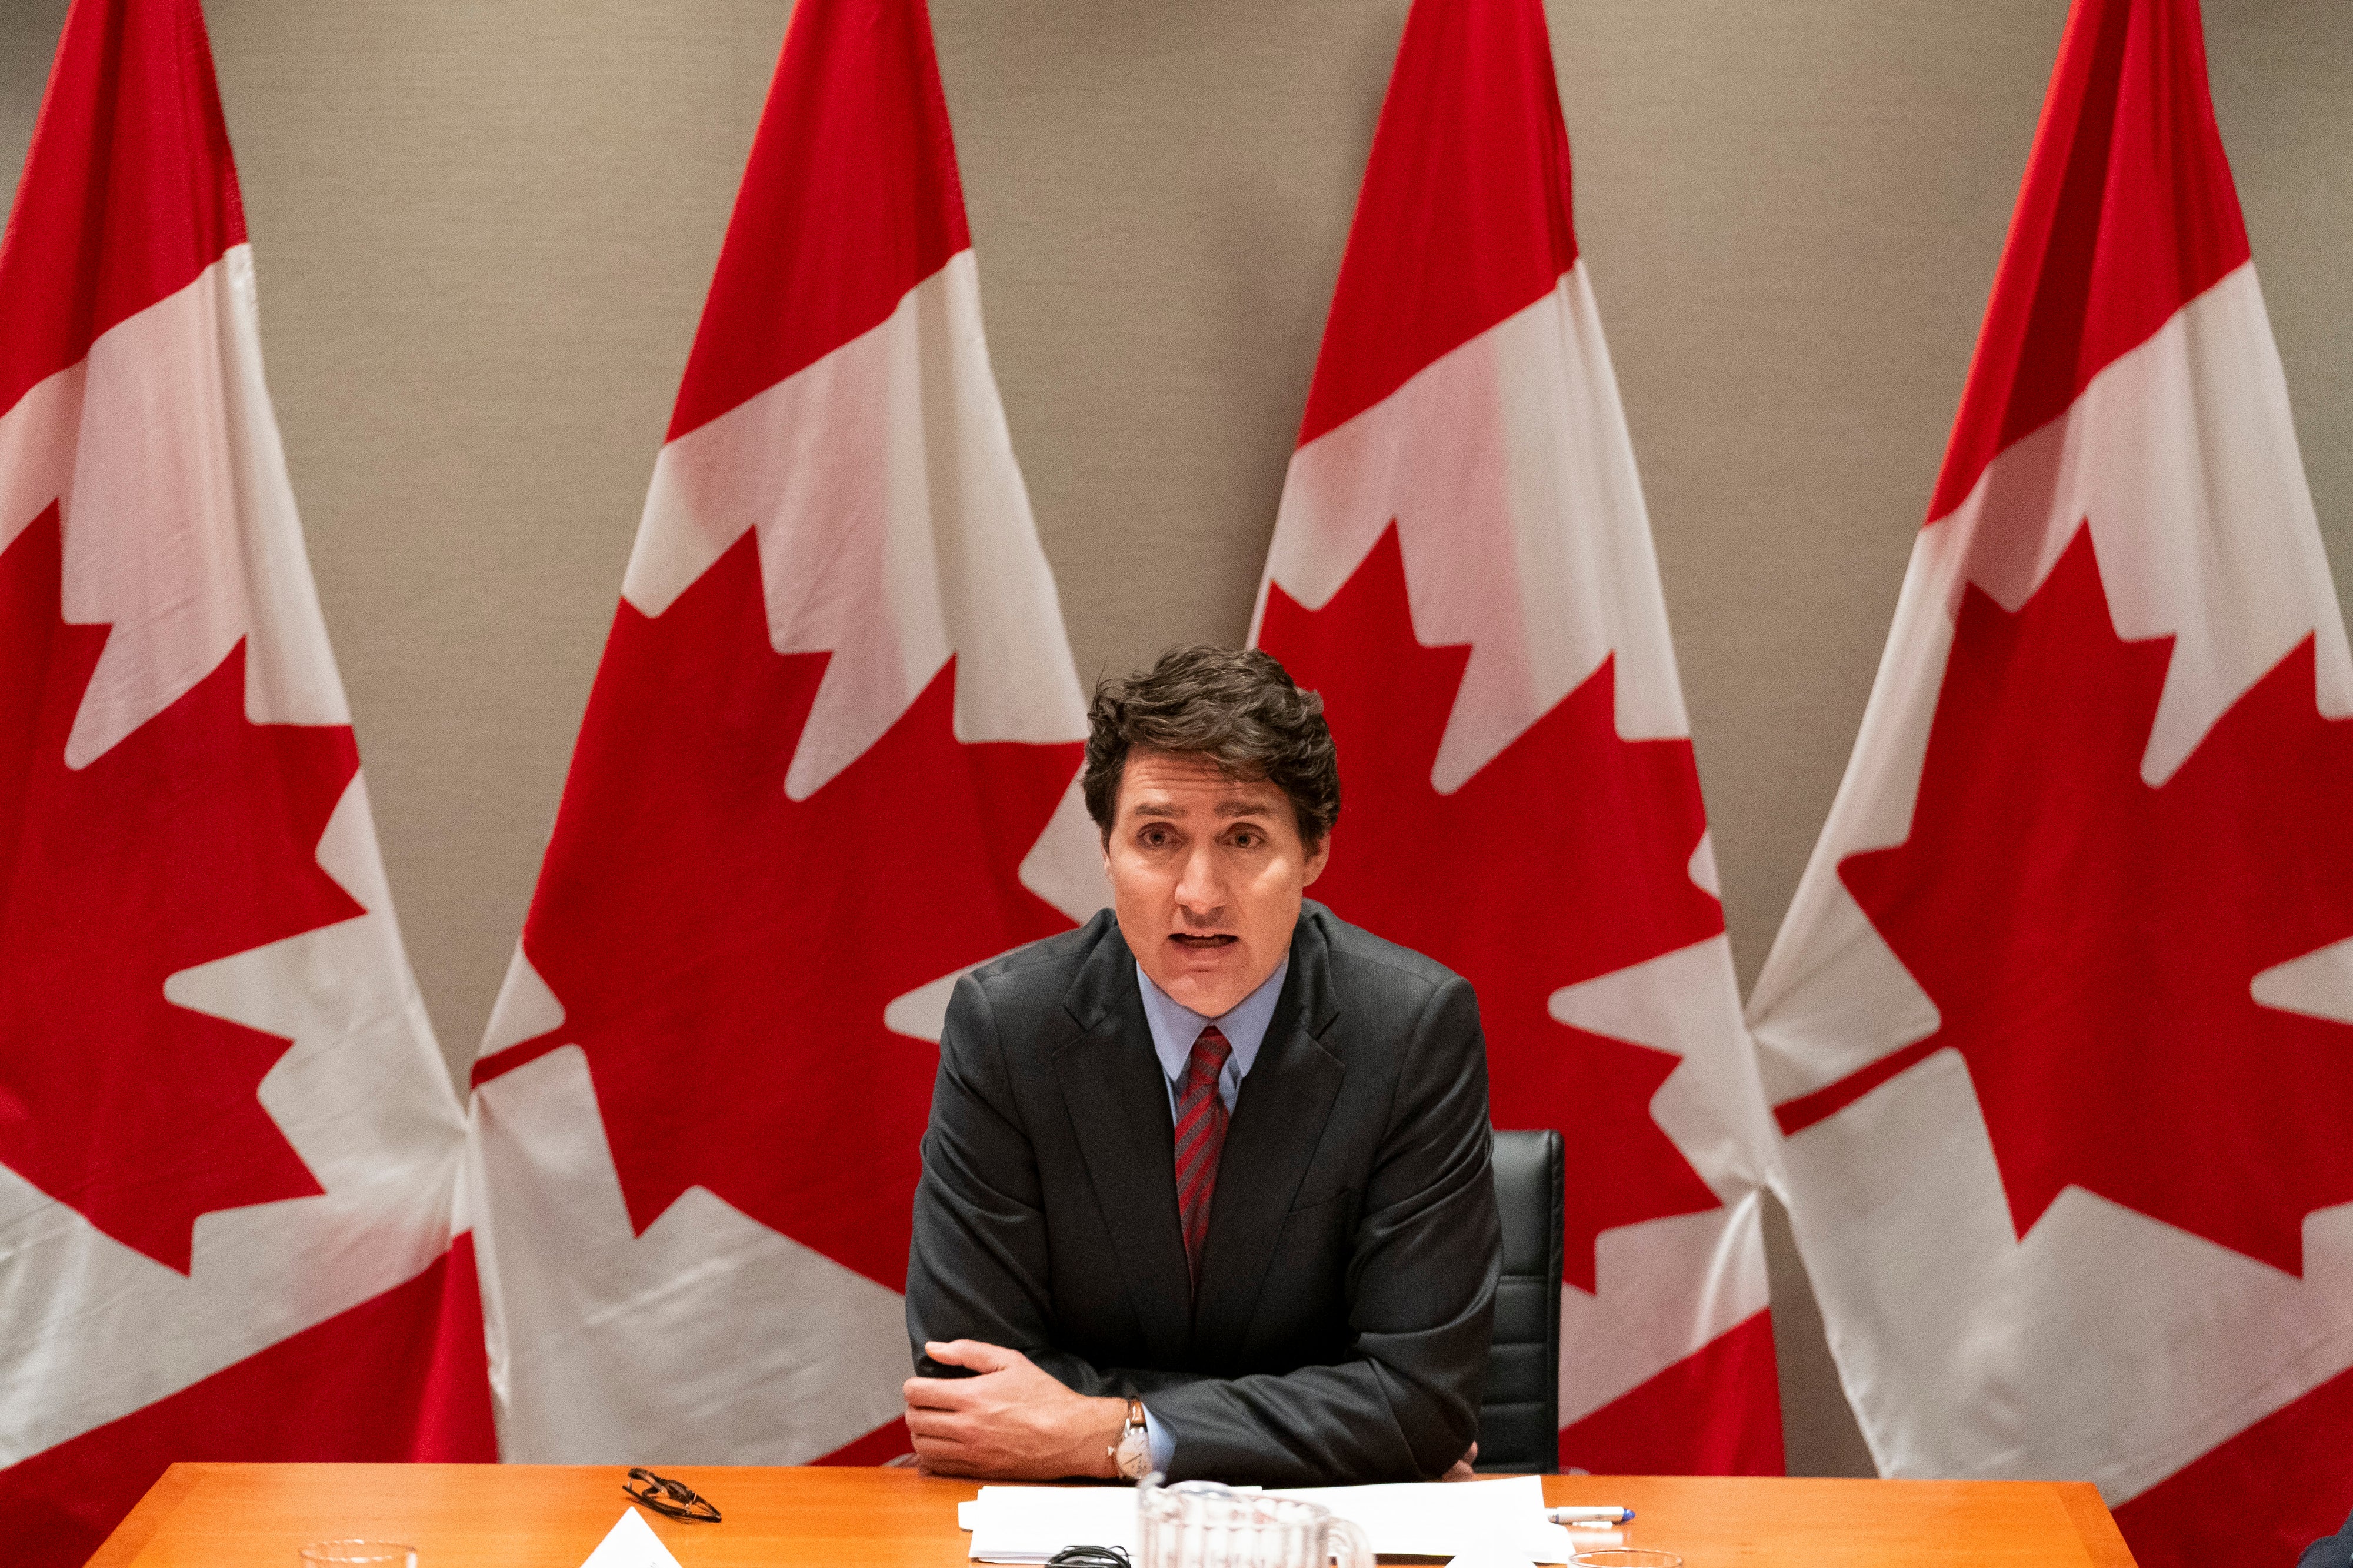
1462	567
2057	1025
828	764
230	1152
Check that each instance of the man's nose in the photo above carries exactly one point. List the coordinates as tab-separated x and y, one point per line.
1201	890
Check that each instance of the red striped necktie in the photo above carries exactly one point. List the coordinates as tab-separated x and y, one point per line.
1200	1137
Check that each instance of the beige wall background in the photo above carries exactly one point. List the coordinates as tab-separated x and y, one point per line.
484	230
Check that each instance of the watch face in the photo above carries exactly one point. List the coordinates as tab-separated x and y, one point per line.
1134	1453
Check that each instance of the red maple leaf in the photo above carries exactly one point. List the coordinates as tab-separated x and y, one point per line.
1565	857
724	953
2090	940
192	839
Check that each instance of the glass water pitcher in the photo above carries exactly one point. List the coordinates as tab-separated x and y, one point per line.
1201	1524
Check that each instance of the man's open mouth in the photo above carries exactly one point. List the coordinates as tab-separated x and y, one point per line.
1204	944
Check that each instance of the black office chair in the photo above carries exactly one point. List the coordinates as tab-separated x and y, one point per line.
1519	1415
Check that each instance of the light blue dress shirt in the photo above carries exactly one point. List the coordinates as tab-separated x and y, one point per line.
1175	1028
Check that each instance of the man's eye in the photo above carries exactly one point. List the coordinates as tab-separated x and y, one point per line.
1246	840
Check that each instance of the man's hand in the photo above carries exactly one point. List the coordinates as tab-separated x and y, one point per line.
1015	1422
1462	1470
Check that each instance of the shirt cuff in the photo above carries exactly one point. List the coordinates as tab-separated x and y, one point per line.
1157	1439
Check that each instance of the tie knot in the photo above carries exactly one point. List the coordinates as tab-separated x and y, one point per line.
1210	1050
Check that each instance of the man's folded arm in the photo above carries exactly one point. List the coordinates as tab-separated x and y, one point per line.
977	1268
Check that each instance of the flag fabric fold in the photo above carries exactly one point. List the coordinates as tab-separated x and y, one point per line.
827	765
229	1154
2057	1027
1463	566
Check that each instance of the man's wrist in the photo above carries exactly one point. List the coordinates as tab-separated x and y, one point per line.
1109	1421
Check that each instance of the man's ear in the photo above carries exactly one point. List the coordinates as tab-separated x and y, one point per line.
1315	861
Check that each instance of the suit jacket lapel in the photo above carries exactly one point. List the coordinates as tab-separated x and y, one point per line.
1118	1102
1286	1099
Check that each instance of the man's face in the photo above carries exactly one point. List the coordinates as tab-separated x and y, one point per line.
1206	873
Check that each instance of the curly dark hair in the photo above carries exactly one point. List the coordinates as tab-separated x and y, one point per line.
1238	708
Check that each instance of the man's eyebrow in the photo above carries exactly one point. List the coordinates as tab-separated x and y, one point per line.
1232	805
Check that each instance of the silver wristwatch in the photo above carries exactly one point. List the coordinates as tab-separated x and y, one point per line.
1132	1454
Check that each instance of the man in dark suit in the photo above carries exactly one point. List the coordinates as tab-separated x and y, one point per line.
1206	1188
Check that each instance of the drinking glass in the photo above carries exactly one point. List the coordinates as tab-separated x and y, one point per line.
1201	1524
356	1554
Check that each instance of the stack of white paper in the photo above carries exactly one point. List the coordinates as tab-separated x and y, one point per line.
1504	1517
1436	1519
1029	1524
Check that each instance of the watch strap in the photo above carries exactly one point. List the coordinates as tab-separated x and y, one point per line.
1131	1456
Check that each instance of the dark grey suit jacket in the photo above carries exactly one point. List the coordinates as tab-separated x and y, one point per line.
1348	1283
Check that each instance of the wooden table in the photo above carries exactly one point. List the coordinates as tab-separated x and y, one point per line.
547	1516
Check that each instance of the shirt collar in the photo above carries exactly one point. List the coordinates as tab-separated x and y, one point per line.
1174	1026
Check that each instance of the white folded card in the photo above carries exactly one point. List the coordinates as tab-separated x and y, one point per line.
1503	1517
631	1544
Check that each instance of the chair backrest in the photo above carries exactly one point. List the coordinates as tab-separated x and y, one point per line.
1519	1416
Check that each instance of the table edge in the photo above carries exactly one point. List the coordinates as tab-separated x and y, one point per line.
147	1515
2096	1527
2103	1543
